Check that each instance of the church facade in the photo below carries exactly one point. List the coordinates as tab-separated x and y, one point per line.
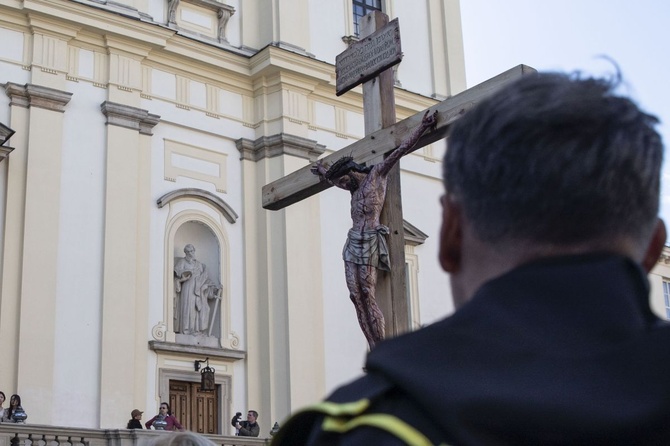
135	139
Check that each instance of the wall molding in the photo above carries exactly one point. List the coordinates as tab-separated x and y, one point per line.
129	117
277	145
30	95
224	208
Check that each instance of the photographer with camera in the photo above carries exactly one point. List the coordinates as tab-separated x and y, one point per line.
247	428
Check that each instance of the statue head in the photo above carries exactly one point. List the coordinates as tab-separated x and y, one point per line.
189	250
344	167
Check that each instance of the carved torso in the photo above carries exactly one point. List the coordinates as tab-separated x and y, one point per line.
367	201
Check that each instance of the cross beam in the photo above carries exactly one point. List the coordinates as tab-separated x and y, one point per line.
302	183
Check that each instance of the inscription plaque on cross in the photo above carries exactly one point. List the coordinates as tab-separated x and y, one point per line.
365	62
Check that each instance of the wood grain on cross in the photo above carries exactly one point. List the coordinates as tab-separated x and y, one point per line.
379	113
383	135
303	184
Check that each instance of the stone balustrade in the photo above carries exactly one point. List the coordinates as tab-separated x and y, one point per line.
39	435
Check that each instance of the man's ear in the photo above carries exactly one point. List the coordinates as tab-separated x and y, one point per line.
655	246
451	235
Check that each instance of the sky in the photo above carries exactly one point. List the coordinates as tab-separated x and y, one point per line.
571	35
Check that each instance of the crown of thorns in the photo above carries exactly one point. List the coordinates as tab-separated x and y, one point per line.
343	166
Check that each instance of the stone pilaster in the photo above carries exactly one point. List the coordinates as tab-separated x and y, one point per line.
12	249
32	216
447	63
126	259
286	309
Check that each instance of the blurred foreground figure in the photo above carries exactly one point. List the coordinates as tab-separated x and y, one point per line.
182	439
549	228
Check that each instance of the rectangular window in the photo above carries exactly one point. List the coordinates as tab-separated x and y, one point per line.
666	297
361	8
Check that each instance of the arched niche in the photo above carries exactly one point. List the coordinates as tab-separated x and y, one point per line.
202	195
206	234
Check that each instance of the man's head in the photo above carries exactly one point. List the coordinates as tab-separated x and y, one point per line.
252	416
555	163
189	250
345	166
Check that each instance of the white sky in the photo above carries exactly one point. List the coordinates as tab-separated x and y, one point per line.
569	35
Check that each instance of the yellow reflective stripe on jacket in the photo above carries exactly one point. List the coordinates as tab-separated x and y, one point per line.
339	409
389	423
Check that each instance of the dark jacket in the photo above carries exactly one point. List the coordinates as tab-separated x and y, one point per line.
562	351
247	429
134	424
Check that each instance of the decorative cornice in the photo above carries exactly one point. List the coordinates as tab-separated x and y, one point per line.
30	95
118	8
223	207
350	39
200	351
5	151
274	58
413	235
129	117
280	144
213	5
5	133
293	48
48	98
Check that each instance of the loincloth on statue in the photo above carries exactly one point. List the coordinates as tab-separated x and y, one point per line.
368	248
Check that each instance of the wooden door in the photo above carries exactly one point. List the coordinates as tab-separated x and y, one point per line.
197	411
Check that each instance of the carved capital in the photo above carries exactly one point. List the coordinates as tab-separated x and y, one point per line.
48	98
129	117
276	145
37	96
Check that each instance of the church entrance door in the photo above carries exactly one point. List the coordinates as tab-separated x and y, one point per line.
197	411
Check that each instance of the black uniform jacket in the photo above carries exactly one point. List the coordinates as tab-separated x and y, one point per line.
561	351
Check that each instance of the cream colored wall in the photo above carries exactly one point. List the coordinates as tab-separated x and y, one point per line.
38	278
85	281
258	23
80	259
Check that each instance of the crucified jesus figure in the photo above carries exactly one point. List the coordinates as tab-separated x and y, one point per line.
365	250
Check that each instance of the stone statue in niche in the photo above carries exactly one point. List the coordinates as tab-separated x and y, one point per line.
172	11
193	291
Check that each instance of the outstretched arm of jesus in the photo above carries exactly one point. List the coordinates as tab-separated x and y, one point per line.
429	120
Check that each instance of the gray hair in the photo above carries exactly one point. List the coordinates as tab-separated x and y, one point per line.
557	159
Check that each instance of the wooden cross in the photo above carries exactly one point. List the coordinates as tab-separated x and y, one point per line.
383	135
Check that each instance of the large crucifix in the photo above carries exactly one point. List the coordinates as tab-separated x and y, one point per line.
376	53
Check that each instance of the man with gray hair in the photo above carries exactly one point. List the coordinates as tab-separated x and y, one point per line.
549	228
